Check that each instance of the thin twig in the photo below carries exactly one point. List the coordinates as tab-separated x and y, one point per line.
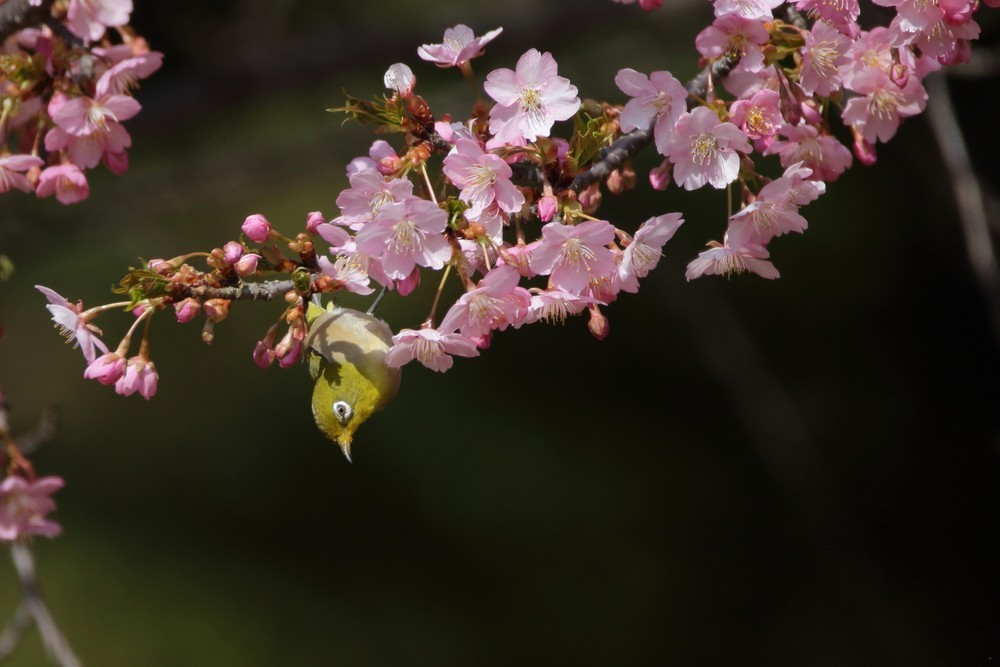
30	442
56	646
12	633
968	195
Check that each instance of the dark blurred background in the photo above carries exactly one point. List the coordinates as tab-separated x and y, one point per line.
797	472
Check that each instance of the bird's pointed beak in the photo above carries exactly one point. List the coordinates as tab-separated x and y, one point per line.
345	445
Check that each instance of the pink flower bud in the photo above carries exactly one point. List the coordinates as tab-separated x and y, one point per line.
598	324
138	311
864	151
140	376
385	158
160	266
659	177
232	251
400	78
547	207
247	264
216	310
187	309
811	113
590	198
288	350
899	74
257	228
614	182
106	369
409	283
313	220
263	353
117	163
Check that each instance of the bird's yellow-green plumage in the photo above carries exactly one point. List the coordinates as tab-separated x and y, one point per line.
347	359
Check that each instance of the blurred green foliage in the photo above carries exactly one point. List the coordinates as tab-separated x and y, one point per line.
743	472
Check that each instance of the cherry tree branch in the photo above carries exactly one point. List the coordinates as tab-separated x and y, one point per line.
262	291
56	646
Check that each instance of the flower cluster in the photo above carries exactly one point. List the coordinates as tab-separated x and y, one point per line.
507	202
65	90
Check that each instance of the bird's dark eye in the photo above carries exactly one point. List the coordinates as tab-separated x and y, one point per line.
343	412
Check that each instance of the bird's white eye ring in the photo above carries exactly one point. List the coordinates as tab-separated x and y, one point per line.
343	412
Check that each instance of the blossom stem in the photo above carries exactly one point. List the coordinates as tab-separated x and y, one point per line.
466	69
437	295
53	640
427	180
91	313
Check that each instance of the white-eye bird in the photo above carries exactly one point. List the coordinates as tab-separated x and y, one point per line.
347	351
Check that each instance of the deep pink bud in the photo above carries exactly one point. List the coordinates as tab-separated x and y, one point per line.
547	207
257	228
811	113
864	151
590	198
899	74
288	350
409	283
117	163
232	251
140	376
659	177
187	309
247	264
312	220
263	353
106	369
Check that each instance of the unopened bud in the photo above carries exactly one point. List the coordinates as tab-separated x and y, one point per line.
187	309
598	324
899	74
614	182
216	310
864	151
263	354
313	220
547	207
659	177
247	264
257	228
590	199
232	251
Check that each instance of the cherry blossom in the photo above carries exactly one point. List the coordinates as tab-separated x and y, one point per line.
11	172
140	376
573	255
89	19
644	250
24	505
72	324
65	181
497	303
881	105
407	234
484	179
430	347
705	150
530	98
826	157
459	46
726	260
658	97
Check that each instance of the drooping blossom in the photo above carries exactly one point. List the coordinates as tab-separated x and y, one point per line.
496	303
405	235
65	181
658	97
106	369
705	150
823	154
24	505
644	250
573	255
881	105
430	347
554	305
530	98
88	19
140	376
734	36
73	325
726	259
348	273
484	179
11	172
460	45
123	76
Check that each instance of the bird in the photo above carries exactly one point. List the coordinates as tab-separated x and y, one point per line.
346	354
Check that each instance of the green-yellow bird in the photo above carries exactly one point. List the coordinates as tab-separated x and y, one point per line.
347	359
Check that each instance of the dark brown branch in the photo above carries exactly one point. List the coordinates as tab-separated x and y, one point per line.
19	14
263	291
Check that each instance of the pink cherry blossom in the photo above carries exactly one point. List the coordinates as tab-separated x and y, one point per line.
749	9
877	112
555	305
872	50
759	116
843	14
705	150
71	324
405	235
657	100
106	369
734	35
530	99
484	178
65	181
400	78
824	52
125	75
430	347
88	18
644	250
11	172
575	254
496	303
348	273
24	505
823	154
459	46
140	376
368	193
726	260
